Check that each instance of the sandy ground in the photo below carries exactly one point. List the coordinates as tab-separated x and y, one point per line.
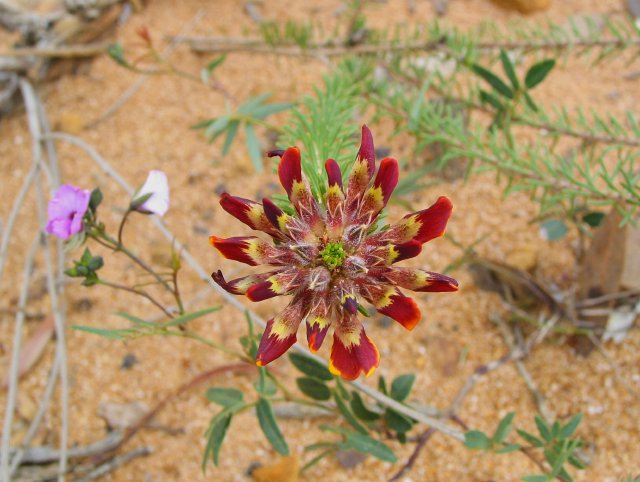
152	131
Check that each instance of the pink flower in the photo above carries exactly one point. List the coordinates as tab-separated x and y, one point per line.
156	190
66	210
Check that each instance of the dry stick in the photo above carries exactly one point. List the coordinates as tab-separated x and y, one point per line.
203	274
43	455
516	354
31	104
15	358
204	44
61	52
513	343
422	441
133	88
115	463
19	454
13	216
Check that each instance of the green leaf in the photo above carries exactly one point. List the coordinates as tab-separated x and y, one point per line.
491	99
553	229
477	440
215	436
310	367
270	427
543	428
117	334
367	445
532	105
503	429
95	263
205	74
270	109
382	385
253	146
401	386
95	199
593	219
187	317
397	422
313	388
225	397
508	449
532	439
507	65
535	478
362	310
493	80
360	410
571	426
264	385
538	72
232	131
346	413
116	52
217	127
251	104
135	320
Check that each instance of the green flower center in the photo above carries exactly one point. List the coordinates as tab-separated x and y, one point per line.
333	255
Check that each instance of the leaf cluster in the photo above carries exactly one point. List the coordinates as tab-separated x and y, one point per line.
554	440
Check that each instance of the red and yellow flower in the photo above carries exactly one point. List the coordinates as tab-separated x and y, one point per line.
330	258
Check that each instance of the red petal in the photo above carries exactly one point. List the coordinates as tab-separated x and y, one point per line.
276	340
236	248
420	280
261	291
401	308
387	177
433	220
238	207
276	216
352	352
238	286
278	283
275	153
290	169
422	226
316	332
280	332
367	152
406	251
333	173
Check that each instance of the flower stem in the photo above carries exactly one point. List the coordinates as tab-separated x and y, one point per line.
144	294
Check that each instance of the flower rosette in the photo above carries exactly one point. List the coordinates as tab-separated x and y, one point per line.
330	257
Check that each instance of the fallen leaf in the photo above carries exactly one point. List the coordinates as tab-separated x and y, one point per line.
284	470
349	458
32	350
121	416
619	323
524	6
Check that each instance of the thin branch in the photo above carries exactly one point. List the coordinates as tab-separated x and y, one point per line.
138	292
13	216
61	51
422	441
15	358
215	45
113	464
31	104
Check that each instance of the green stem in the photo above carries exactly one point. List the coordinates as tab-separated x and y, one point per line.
211	344
144	294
